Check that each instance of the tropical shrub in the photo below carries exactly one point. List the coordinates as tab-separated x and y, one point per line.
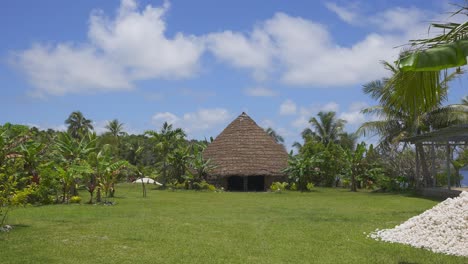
310	186
75	199
301	170
203	185
27	195
293	187
278	186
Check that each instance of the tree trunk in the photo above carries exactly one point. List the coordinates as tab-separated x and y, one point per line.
424	166
91	193
144	188
98	195
64	192
111	190
353	182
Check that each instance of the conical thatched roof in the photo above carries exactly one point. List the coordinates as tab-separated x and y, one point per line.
245	149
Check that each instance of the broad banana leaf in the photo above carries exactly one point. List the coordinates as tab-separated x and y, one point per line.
436	58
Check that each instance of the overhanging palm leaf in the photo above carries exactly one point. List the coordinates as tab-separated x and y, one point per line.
441	52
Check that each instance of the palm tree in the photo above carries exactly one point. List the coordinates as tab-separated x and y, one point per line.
115	128
276	137
166	141
297	145
407	100
326	129
78	125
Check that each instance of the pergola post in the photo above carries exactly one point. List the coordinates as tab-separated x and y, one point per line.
448	165
433	169
418	173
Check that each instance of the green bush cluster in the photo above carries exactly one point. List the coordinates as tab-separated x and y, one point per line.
27	195
278	186
188	185
75	199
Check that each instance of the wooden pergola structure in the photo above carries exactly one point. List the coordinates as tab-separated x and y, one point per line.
448	137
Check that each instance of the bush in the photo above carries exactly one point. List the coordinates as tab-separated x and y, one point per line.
203	185
180	186
25	196
293	187
345	183
75	199
441	179
278	186
310	186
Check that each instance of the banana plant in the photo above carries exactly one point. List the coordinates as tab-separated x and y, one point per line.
355	160
106	170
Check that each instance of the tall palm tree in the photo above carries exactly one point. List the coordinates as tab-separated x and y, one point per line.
404	110
276	137
407	101
78	125
326	129
115	128
166	141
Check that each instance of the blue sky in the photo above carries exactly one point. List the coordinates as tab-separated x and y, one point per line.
199	64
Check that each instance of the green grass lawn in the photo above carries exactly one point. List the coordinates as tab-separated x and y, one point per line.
326	226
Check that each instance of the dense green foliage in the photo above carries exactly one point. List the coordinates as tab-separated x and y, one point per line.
43	167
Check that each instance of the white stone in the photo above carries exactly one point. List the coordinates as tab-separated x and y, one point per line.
441	229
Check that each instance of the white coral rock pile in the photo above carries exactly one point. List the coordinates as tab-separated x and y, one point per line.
441	229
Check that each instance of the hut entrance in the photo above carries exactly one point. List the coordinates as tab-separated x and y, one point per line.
252	183
256	183
235	183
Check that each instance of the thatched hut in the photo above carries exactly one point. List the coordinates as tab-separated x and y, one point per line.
246	157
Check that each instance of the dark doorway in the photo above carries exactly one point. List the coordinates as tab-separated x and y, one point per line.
256	183
235	183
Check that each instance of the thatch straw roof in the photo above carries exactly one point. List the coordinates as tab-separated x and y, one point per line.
245	149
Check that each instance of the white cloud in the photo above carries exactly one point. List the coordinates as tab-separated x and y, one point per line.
69	69
129	47
133	45
358	106
305	54
260	92
301	122
288	107
330	107
205	119
345	14
354	117
253	52
161	117
195	122
136	40
399	19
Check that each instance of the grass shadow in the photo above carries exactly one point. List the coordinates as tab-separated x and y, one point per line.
20	226
410	194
